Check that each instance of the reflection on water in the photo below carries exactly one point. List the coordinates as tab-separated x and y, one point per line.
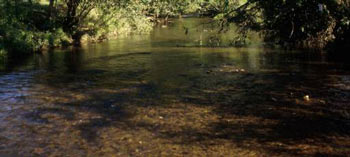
162	95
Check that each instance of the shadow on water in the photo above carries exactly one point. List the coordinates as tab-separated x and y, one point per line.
269	117
14	62
256	111
259	115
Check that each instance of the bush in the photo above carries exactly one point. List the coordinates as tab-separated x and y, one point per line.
58	38
129	19
26	27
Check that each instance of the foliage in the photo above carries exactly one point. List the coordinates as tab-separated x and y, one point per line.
301	23
107	22
219	7
27	26
30	25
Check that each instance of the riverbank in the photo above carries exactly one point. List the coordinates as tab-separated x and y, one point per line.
27	26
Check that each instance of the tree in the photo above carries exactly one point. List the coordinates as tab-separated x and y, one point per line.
298	23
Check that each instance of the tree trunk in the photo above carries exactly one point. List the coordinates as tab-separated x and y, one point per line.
50	8
16	8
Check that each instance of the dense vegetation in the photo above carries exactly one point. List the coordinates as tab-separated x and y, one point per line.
30	25
313	24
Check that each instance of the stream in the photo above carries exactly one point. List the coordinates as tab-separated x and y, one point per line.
165	94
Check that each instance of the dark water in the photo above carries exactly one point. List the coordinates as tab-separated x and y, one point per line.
164	95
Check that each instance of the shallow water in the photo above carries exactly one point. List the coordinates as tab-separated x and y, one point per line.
164	95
